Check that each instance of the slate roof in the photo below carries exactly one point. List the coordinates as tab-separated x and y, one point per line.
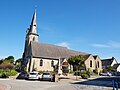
52	51
106	62
86	56
95	57
115	66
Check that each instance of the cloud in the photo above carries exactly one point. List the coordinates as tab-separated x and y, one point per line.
114	44
64	44
100	45
3	57
110	44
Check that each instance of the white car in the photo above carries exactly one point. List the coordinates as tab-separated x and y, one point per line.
35	75
106	74
47	76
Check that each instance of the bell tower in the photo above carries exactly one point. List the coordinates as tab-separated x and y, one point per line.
31	33
31	36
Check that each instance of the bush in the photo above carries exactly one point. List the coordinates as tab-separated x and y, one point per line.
71	72
90	71
13	73
6	73
85	76
77	73
3	75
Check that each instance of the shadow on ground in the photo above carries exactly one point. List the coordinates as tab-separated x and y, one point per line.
102	81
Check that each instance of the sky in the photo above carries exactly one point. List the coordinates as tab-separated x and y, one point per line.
91	26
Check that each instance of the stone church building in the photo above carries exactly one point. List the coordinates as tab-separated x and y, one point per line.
47	57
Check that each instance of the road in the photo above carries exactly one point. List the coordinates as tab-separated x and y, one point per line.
27	85
46	85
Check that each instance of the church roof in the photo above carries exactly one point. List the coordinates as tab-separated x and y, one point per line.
52	51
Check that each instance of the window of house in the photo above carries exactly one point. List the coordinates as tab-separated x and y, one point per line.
41	62
98	64
90	63
52	63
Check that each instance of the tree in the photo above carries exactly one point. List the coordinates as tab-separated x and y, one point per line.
109	68
9	59
18	64
1	61
18	61
76	62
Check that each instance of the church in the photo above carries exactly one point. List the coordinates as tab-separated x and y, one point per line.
39	56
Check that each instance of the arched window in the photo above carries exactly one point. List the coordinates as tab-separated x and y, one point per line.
52	63
90	63
41	62
98	64
33	38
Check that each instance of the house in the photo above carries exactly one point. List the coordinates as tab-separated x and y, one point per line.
108	62
47	57
98	63
93	62
116	67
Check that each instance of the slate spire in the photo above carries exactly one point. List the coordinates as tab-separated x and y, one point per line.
33	26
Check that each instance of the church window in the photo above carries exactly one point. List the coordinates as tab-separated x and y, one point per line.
33	38
41	62
52	63
98	64
90	63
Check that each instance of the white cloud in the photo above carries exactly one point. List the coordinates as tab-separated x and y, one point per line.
100	45
110	44
114	44
64	44
3	57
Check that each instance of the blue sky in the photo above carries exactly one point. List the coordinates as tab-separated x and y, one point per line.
91	26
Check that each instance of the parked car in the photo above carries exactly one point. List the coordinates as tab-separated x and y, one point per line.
47	76
35	75
106	74
22	75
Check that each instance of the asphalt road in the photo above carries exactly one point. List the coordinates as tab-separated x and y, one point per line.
95	84
27	85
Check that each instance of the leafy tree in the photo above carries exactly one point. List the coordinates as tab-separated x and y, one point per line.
76	61
18	64
18	61
109	68
1	61
10	59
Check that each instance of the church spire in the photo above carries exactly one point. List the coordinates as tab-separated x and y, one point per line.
33	26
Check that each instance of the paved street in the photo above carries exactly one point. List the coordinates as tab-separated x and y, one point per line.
27	85
46	85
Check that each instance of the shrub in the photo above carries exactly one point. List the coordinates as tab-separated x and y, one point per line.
3	75
6	73
71	72
90	71
77	73
13	72
85	76
6	66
